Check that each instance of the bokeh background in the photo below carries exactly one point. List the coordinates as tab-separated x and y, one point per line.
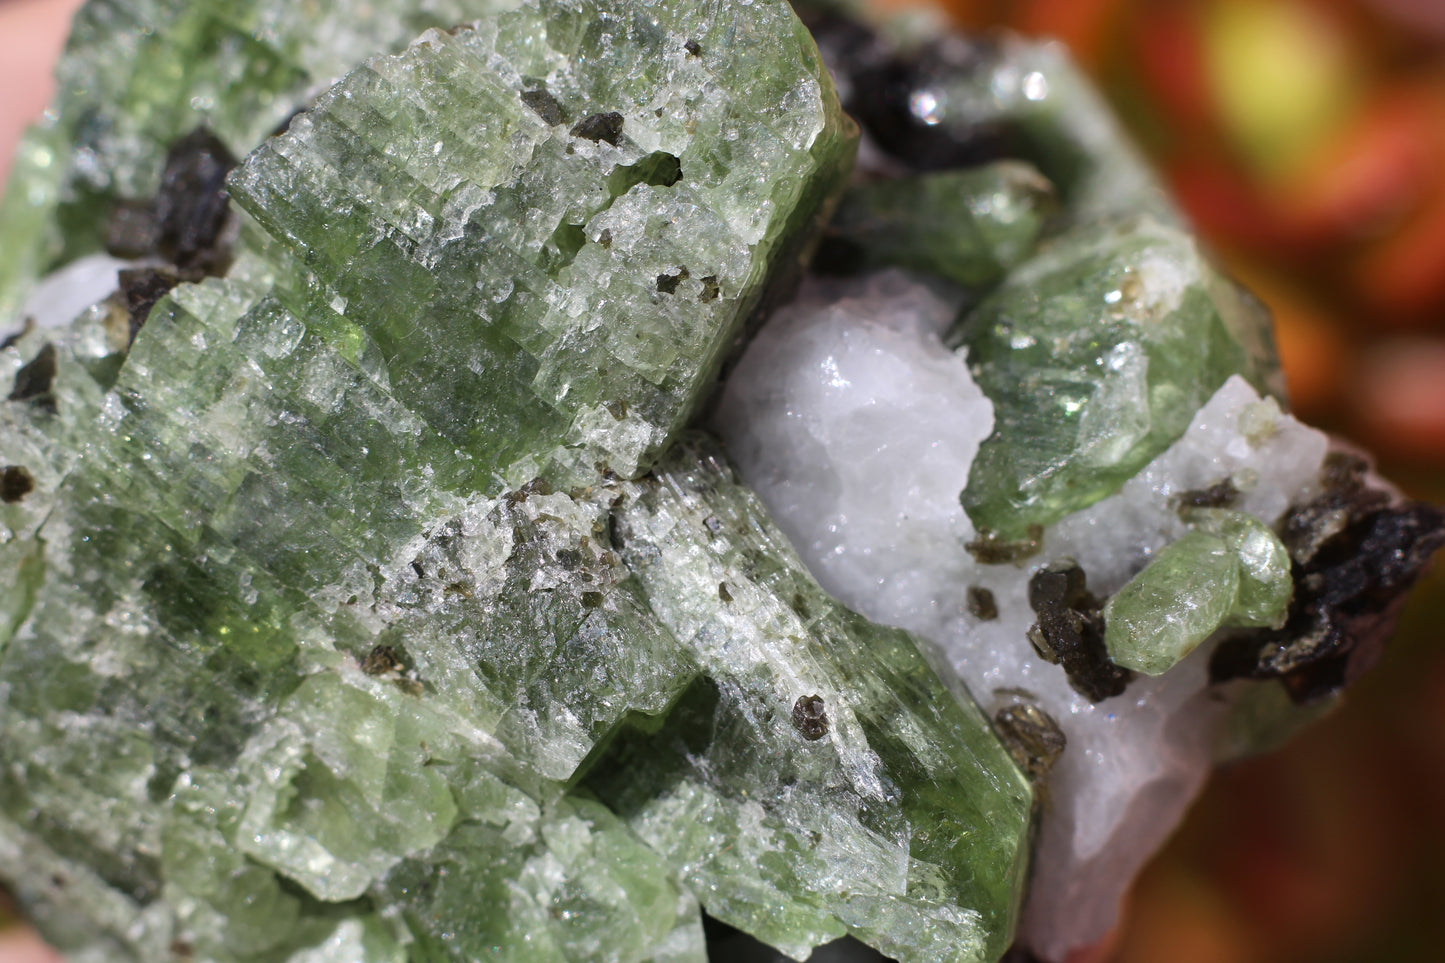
1306	139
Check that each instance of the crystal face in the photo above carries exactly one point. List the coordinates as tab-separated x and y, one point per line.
373	586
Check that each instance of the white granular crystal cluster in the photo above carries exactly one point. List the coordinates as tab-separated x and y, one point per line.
858	427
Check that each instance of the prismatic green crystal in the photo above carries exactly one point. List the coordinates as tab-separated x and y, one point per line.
1096	352
333	644
551	249
843	776
138	75
1231	570
970	226
1265	582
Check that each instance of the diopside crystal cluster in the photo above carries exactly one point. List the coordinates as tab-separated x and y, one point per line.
376	583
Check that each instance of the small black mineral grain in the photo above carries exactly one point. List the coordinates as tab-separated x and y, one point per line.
15	483
14	337
1032	738
810	717
600	127
140	289
667	283
35	382
192	207
1070	631
544	105
981	603
1222	494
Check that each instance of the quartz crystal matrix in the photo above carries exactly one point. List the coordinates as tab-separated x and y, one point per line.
372	590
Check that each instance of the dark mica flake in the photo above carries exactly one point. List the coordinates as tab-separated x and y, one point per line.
667	283
810	717
132	231
880	84
1221	494
1070	631
35	382
15	483
981	603
11	340
192	207
989	549
545	106
600	127
1354	555
1032	737
140	290
382	660
693	48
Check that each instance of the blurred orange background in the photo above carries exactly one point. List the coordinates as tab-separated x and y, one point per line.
1306	139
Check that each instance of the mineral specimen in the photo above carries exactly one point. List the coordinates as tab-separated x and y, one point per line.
370	592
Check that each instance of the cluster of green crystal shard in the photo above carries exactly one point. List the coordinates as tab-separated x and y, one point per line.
363	607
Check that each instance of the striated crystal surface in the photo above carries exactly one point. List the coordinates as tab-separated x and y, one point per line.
1095	354
365	594
818	778
549	247
138	75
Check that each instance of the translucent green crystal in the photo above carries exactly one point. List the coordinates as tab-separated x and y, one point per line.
574	884
137	75
818	778
1265	583
1096	353
1231	570
551	249
969	226
305	659
1164	612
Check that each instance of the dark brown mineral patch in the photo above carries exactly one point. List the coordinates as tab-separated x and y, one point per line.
1070	631
600	127
981	603
1032	738
810	717
15	483
140	290
1354	553
35	382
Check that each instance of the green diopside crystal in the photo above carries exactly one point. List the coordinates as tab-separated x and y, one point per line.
551	249
1265	583
138	75
308	632
818	778
1164	612
1231	570
969	226
1096	353
258	583
574	884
